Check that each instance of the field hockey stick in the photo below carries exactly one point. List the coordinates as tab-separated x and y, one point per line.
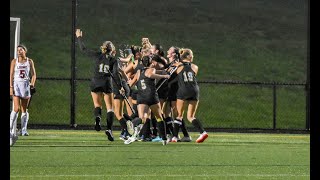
123	95
32	93
122	48
29	102
170	73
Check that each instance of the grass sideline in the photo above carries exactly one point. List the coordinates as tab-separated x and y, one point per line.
85	154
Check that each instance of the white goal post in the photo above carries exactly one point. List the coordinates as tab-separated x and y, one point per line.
16	34
16	43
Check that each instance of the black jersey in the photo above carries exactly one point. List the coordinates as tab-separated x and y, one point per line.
163	90
116	73
139	66
173	88
119	82
147	93
134	91
187	82
103	64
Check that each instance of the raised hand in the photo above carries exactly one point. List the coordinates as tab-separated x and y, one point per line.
78	33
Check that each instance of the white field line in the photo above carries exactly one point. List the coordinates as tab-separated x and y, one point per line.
157	175
212	134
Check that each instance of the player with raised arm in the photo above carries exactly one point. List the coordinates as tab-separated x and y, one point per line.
101	83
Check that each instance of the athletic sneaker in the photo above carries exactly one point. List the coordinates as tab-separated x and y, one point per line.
134	136
140	138
130	127
109	134
165	142
24	133
202	137
169	137
13	139
130	140
174	139
97	126
124	135
186	139
157	139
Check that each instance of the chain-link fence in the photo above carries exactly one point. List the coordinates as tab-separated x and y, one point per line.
238	46
223	105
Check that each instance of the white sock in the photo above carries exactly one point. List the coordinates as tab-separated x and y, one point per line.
27	114
24	122
27	119
13	122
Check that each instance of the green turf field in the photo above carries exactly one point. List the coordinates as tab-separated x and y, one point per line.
86	154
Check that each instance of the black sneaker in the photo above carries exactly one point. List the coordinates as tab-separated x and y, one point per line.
97	126
109	134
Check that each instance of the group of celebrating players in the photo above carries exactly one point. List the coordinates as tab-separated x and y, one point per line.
154	90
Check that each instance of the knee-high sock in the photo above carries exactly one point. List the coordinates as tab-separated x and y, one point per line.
127	117
162	130
143	130
147	126
169	125
154	126
197	124
110	117
13	121
27	120
97	112
134	115
184	129
176	126
24	120
123	124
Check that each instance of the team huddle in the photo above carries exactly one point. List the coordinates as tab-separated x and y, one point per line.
154	90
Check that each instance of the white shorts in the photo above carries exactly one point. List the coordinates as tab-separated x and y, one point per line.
22	89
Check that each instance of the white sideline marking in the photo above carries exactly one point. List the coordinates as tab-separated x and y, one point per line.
173	175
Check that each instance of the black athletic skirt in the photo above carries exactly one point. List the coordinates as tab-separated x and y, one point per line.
101	85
